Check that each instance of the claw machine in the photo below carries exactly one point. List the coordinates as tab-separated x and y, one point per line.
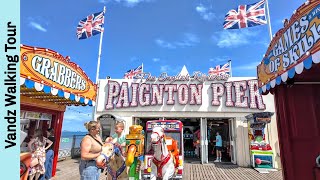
261	153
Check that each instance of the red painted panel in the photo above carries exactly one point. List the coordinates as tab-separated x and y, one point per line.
57	134
298	119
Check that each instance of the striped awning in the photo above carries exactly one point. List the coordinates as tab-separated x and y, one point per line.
313	60
37	90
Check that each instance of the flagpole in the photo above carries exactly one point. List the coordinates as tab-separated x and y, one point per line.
269	20
100	46
142	67
230	67
98	68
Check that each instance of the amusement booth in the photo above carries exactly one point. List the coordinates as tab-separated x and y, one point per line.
48	82
135	151
173	130
260	150
290	70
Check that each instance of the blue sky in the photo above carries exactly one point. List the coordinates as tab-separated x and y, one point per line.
164	35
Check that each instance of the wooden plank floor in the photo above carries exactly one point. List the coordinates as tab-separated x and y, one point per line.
225	171
69	169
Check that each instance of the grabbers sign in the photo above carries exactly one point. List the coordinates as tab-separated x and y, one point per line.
49	68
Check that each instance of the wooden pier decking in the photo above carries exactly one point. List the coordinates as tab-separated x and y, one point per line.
69	170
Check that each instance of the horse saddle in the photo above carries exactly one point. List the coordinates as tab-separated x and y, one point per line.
173	147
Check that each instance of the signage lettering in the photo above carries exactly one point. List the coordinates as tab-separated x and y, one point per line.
267	120
293	44
146	94
197	76
58	73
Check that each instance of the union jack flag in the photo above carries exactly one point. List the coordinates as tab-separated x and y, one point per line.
246	16
132	72
220	70
90	26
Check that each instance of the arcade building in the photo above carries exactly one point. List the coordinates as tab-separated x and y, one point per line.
45	94
204	104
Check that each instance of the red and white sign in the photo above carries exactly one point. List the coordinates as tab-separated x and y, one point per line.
129	94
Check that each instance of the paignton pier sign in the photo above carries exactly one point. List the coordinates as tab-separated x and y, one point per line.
172	90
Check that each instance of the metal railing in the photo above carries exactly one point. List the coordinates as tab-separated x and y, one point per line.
75	150
72	151
63	154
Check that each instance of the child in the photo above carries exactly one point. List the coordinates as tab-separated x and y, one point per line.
119	138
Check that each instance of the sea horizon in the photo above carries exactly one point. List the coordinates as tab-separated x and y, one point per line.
67	138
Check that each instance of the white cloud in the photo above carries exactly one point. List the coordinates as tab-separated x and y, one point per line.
37	26
201	9
250	66
170	70
205	12
128	3
187	40
133	1
164	68
155	59
235	38
164	44
103	1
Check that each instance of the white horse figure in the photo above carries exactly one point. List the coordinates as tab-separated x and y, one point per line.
162	165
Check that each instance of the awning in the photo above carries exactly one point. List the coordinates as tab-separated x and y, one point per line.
293	50
46	75
312	60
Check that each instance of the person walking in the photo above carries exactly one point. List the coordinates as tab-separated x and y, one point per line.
90	149
49	156
218	147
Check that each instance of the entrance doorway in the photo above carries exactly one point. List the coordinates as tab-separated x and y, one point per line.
199	135
192	140
220	126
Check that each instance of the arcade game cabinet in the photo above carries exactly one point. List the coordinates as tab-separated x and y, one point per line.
260	150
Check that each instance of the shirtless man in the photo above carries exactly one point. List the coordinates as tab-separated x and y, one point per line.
91	146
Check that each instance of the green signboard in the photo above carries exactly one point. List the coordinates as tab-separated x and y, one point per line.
65	140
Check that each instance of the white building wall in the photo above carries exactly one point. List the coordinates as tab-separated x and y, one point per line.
204	110
242	142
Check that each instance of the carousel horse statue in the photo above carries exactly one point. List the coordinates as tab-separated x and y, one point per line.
165	160
135	151
112	159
